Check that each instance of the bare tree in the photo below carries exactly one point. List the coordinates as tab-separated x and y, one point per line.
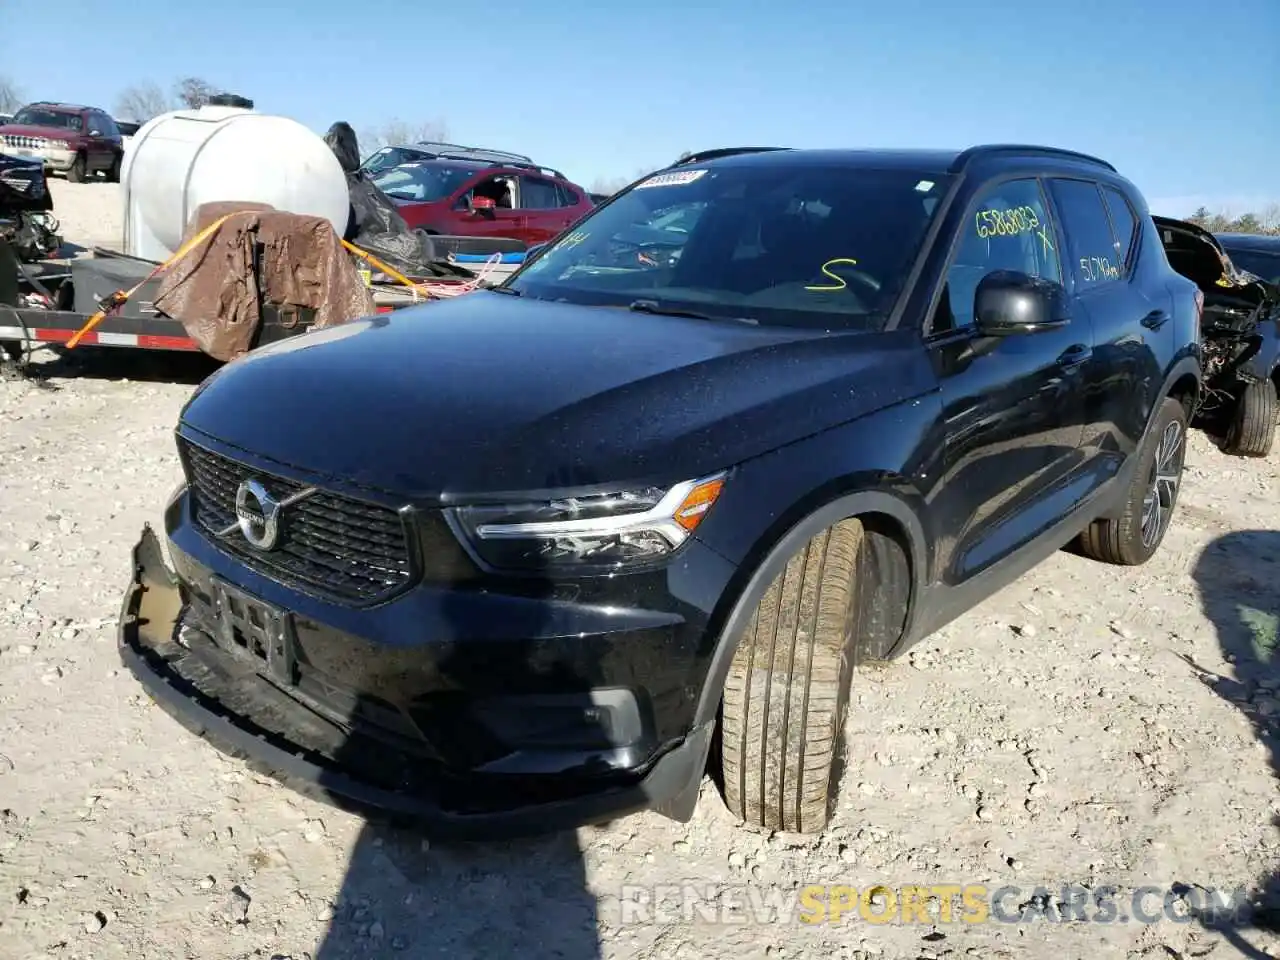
142	102
11	99
396	132
193	92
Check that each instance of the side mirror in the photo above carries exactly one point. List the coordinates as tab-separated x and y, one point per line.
1008	303
482	205
533	251
95	133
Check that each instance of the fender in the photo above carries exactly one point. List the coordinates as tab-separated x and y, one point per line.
864	501
1189	364
681	803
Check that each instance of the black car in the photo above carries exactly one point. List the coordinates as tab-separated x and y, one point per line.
1259	254
1240	330
539	555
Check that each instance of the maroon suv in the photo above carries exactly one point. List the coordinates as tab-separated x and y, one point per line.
478	198
71	139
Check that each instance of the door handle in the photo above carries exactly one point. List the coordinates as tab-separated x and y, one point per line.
1155	319
1075	355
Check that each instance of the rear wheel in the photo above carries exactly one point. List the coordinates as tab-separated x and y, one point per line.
78	170
1134	537
787	691
1253	423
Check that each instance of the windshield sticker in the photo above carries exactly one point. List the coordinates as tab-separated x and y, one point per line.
677	179
924	186
839	280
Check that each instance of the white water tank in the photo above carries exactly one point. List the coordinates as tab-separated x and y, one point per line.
182	159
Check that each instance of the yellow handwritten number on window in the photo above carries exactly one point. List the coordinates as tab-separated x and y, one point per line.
839	280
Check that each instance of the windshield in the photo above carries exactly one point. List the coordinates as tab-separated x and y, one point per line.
779	244
1260	264
423	182
35	117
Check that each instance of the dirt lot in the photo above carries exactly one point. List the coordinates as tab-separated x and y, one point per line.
1089	725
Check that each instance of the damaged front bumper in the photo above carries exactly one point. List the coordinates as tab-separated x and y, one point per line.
243	714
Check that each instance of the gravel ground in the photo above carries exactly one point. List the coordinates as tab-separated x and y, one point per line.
1089	725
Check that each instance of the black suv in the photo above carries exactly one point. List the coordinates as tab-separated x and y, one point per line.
539	555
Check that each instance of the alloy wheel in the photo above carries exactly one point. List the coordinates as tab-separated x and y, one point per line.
1162	489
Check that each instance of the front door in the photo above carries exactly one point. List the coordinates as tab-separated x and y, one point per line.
1013	407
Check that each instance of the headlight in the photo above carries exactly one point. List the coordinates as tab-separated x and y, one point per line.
598	533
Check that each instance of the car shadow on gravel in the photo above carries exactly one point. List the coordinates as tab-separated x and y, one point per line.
114	363
1238	579
404	895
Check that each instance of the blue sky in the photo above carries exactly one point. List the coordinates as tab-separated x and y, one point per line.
1168	90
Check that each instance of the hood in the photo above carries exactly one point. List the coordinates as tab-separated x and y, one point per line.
1199	250
488	393
48	133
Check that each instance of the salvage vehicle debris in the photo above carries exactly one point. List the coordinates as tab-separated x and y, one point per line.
544	557
184	164
1240	333
26	209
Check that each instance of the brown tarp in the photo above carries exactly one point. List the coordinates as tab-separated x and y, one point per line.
213	291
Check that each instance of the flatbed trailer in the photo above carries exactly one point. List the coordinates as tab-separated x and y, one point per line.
58	297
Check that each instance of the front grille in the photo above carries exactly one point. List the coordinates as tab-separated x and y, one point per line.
334	545
19	140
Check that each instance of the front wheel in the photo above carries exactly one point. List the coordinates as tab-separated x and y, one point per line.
113	172
78	170
787	690
1134	537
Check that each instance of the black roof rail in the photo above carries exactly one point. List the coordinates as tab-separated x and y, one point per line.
703	155
518	164
441	149
988	149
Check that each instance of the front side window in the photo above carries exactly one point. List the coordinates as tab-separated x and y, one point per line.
1008	229
422	182
823	247
1092	244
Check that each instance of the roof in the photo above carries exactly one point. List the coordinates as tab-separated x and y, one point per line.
1250	241
57	107
937	161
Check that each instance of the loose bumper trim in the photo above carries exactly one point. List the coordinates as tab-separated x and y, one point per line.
189	692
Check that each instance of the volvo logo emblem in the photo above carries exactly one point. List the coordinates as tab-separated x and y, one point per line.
258	514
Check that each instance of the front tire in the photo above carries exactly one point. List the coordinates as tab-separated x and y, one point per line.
1134	538
113	172
1253	423
78	170
787	690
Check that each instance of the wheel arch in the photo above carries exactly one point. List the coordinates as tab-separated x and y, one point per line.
883	514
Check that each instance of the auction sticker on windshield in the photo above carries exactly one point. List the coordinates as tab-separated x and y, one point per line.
678	179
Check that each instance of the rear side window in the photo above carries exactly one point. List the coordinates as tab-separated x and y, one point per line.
538	194
567	196
1090	243
1125	227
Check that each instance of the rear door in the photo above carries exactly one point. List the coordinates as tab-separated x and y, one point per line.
543	203
1130	319
1013	407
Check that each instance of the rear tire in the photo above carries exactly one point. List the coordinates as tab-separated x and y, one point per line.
1134	538
787	690
1253	423
78	170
